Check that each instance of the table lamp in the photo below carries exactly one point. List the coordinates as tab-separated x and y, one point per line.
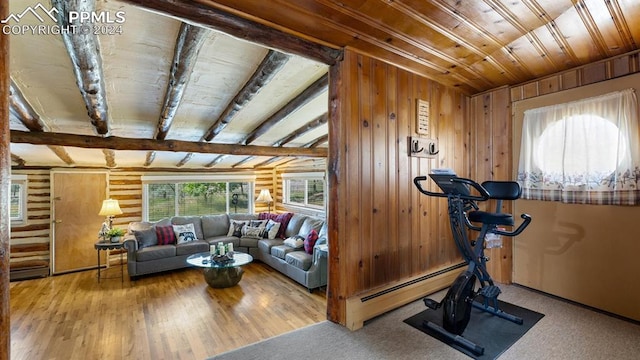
265	197
110	207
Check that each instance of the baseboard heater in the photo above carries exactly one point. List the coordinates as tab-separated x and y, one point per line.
381	300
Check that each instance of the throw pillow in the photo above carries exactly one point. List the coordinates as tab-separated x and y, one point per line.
235	228
271	229
185	233
146	237
252	232
165	235
295	242
283	219
310	241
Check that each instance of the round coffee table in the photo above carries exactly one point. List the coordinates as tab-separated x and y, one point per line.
223	274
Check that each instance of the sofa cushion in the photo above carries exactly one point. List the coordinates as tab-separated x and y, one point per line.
283	219
156	252
299	259
165	235
146	237
281	251
249	242
294	225
265	244
192	247
215	225
184	233
195	220
145	225
310	223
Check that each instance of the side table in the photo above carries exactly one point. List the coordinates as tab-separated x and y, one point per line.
104	246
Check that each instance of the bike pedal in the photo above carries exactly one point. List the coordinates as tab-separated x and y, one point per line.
431	304
490	291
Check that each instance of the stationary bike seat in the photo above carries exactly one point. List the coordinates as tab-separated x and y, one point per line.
491	218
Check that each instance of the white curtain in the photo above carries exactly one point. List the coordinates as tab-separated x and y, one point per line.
586	151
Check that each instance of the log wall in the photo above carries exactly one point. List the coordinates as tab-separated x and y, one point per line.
30	243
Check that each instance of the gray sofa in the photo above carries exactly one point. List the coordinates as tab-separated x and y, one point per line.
308	269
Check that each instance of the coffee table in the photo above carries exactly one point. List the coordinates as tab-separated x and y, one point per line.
220	275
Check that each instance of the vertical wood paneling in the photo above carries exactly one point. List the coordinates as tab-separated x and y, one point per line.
386	230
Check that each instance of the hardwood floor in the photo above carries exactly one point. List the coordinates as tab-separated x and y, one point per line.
172	315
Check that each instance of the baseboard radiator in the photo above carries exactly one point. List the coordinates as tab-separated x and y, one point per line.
28	273
381	300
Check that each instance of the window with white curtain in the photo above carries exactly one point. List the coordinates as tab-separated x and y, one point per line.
585	151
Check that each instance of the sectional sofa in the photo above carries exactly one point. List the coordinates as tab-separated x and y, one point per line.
282	246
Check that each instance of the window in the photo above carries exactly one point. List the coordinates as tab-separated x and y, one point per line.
585	151
194	196
18	201
304	189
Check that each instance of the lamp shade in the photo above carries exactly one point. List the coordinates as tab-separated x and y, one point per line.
110	207
265	196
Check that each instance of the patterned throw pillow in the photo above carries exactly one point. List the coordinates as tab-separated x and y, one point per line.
235	228
283	219
310	241
165	235
254	229
295	242
185	233
271	229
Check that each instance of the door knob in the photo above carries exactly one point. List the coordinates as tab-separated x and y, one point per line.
57	221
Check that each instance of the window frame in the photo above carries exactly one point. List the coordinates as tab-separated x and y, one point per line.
185	179
306	176
22	181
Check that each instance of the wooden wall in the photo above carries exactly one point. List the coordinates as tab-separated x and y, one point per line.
382	230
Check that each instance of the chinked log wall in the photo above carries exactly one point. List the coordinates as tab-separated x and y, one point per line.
491	130
389	235
30	243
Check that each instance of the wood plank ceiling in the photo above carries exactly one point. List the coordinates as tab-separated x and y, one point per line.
197	95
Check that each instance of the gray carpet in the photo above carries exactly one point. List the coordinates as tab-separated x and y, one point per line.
566	332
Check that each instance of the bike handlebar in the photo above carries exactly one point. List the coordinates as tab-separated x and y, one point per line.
484	194
521	227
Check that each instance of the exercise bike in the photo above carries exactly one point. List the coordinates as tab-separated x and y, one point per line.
463	213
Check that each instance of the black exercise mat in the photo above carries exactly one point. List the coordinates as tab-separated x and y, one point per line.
495	334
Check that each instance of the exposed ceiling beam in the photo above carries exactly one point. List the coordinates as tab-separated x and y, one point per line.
151	155
121	143
268	68
84	52
109	157
312	144
242	28
272	63
303	98
58	150
31	120
188	44
22	110
313	124
17	160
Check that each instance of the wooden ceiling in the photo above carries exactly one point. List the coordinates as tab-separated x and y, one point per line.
181	88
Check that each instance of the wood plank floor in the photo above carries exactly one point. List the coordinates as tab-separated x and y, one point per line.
172	315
